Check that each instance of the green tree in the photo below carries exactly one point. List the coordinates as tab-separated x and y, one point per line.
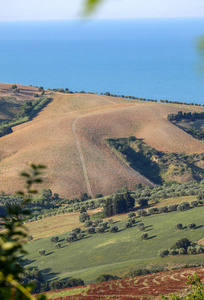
13	238
83	217
182	243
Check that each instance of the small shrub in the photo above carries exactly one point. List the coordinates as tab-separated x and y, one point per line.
30	238
80	236
82	209
144	236
113	229
103	225
58	245
194	203
191	226
153	210
106	277
191	250
172	207
128	224
98	196
76	230
181	251
97	221
173	252
42	252
131	220
142	202
199	250
131	215
163	253
14	86
88	223
54	239
100	229
138	272
178	226
141	226
163	209
141	212
183	206
35	95
83	217
110	221
69	239
90	230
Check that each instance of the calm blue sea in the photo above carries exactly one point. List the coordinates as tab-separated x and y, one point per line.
150	58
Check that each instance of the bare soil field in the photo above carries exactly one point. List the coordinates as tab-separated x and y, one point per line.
141	287
55	225
68	136
25	92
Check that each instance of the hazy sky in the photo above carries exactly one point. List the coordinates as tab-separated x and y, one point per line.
72	9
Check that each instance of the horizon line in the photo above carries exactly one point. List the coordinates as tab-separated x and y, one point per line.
103	19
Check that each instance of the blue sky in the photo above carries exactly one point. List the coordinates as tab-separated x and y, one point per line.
72	9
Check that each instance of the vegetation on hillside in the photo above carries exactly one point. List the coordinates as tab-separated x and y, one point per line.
157	166
24	112
190	118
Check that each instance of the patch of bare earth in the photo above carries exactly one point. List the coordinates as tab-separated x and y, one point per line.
49	139
141	287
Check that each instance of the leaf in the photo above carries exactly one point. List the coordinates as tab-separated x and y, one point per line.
90	5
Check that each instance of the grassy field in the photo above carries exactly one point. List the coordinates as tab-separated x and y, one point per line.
58	224
118	253
50	138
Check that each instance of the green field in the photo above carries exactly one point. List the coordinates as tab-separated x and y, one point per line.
118	253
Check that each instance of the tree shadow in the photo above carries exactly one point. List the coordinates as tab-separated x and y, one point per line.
148	226
27	261
86	237
152	237
62	240
49	253
63	246
200	226
122	229
149	229
48	274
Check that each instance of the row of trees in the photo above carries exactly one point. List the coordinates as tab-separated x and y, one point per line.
186	116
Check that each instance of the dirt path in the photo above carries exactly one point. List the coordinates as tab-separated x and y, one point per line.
80	149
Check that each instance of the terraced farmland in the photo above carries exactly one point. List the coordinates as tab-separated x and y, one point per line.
141	287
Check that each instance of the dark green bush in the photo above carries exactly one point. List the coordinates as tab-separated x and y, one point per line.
144	236
191	226
163	253
90	230
178	226
182	243
42	252
106	277
113	229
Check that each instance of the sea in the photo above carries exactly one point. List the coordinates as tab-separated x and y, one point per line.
145	58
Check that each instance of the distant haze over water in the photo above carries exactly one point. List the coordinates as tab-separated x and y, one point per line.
147	58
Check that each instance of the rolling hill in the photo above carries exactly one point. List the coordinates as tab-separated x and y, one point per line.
69	134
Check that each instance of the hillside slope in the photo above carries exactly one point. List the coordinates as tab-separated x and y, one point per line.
68	136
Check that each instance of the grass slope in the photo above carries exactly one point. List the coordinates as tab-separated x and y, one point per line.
51	139
117	253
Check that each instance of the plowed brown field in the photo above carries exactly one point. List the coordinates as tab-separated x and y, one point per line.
139	288
68	136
